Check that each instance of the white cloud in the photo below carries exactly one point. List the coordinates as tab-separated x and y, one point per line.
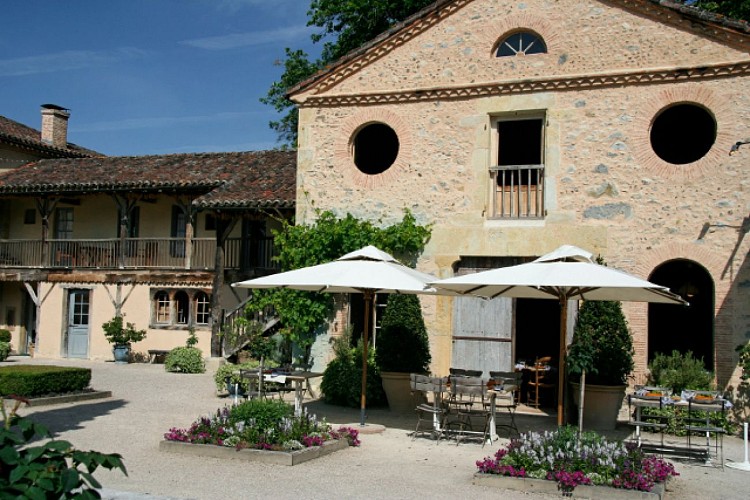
238	40
66	61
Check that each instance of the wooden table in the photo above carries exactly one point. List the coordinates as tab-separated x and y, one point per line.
301	381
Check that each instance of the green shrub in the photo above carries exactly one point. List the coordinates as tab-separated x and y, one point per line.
118	334
5	335
342	379
232	371
264	413
53	469
402	341
185	360
679	372
31	381
4	350
602	344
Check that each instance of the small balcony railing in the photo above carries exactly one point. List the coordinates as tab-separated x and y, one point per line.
135	253
517	192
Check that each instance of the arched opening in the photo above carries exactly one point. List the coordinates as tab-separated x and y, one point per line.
683	328
182	305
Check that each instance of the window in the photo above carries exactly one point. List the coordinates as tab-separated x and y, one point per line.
375	148
179	230
521	43
180	308
162	303
683	133
210	222
517	180
202	308
29	216
183	307
63	223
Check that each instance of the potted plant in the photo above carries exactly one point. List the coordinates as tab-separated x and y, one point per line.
402	348
121	337
600	359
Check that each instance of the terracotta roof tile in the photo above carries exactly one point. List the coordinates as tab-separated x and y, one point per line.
18	134
254	179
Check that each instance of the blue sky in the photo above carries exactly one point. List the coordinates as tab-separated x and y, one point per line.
150	76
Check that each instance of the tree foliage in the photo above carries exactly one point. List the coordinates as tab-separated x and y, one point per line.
345	25
403	345
737	9
330	237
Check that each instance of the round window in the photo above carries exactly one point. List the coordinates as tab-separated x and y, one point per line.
683	133
375	148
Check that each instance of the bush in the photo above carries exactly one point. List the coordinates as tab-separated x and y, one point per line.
118	334
342	378
5	335
402	341
31	381
185	360
53	469
679	372
261	424
602	344
4	350
232	371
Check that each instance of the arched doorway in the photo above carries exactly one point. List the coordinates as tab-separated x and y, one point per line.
683	328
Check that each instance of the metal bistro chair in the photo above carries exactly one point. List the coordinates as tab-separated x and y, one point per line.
468	396
508	384
433	414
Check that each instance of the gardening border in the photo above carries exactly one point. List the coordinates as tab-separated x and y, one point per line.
529	485
264	456
68	398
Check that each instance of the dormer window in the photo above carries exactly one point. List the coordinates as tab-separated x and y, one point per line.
521	43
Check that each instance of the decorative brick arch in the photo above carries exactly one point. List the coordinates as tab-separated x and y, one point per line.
344	159
638	312
716	104
517	22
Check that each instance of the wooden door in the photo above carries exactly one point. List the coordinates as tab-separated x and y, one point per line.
78	323
483	334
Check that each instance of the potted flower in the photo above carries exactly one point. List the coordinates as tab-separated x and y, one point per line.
121	337
600	359
402	348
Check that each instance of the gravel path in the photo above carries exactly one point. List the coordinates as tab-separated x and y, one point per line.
146	401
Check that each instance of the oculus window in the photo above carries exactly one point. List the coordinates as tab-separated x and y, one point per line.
683	133
375	148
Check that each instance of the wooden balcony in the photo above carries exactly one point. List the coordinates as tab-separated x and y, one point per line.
136	253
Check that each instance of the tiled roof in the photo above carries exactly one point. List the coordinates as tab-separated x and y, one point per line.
19	135
667	6
256	179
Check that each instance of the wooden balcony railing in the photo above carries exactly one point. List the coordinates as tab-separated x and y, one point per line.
135	253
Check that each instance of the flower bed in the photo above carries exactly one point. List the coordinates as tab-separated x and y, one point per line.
569	461
265	425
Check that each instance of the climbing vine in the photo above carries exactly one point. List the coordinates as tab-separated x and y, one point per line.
303	314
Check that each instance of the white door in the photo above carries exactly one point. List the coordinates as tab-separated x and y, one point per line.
78	323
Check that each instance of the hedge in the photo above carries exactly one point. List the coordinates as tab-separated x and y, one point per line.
31	381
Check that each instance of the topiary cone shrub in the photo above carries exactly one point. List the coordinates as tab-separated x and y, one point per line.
402	344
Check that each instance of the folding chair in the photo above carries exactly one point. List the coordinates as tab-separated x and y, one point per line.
434	413
468	395
507	384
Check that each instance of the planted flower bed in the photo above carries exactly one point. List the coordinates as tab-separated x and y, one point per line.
561	456
264	430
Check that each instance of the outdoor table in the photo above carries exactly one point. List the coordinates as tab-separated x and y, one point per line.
506	391
301	381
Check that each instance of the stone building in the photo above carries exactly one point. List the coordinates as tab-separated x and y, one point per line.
516	127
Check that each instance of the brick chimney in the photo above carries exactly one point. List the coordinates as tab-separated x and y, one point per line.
55	125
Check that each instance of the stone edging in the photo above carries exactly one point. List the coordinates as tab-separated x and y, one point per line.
529	485
263	456
69	398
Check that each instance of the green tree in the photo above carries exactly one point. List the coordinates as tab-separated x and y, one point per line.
402	344
345	25
328	238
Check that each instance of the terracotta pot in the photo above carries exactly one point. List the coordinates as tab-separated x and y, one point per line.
602	404
397	387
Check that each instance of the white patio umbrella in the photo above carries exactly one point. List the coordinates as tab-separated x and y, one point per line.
567	273
367	271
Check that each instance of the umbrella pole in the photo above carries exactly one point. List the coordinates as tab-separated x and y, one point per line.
561	358
368	306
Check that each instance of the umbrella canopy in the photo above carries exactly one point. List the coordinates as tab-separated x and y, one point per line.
568	273
367	271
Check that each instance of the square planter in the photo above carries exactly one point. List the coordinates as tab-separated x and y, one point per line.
263	456
550	487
